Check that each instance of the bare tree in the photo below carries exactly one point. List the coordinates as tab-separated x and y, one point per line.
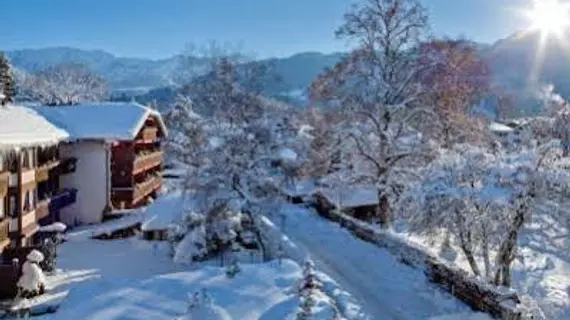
457	80
63	84
378	84
485	200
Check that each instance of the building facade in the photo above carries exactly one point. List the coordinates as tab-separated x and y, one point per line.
29	175
119	157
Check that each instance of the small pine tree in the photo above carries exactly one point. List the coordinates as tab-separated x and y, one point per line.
7	86
309	281
306	311
233	269
194	302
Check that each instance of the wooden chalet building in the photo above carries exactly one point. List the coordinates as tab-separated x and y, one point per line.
30	173
119	157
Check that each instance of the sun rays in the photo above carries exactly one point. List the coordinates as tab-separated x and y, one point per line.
551	19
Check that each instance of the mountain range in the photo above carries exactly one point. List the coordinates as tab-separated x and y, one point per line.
512	61
137	73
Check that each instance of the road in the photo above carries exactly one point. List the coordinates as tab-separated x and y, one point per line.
385	288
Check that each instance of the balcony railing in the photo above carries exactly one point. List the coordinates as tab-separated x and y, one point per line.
67	166
42	209
42	174
4	230
62	199
148	161
149	134
145	188
4	183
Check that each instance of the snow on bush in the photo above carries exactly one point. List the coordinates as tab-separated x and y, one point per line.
202	307
32	282
54	227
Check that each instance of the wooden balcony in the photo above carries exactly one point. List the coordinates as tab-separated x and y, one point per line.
128	198
4	232
144	189
148	135
42	209
4	183
42	172
148	161
67	166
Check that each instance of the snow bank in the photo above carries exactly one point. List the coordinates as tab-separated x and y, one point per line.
87	232
23	127
261	291
54	227
164	212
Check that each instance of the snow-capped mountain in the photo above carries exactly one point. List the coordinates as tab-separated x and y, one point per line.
512	61
125	74
517	67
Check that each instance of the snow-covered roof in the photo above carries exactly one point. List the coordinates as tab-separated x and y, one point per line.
23	127
351	197
287	154
500	128
101	120
165	211
300	188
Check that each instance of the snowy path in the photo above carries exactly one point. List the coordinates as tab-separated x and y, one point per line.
386	288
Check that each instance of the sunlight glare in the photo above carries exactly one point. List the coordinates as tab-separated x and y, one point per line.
549	16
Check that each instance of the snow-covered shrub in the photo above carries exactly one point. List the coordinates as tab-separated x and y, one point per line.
309	281
202	307
32	282
233	269
49	249
309	288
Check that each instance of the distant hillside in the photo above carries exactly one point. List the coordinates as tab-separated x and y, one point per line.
127	74
511	59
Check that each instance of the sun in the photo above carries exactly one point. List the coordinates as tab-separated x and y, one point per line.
549	16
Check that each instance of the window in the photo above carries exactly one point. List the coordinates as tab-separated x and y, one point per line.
34	203
32	157
27	202
11	161
13	211
26	160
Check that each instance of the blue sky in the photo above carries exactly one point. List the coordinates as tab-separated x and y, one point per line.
161	28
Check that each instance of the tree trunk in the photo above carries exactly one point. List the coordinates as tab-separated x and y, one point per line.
507	250
471	259
383	210
256	232
486	258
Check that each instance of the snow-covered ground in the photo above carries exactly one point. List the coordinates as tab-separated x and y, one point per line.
135	279
386	288
147	289
542	270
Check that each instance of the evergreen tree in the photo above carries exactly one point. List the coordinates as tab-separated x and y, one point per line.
7	87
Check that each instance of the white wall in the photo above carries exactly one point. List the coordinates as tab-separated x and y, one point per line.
89	178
